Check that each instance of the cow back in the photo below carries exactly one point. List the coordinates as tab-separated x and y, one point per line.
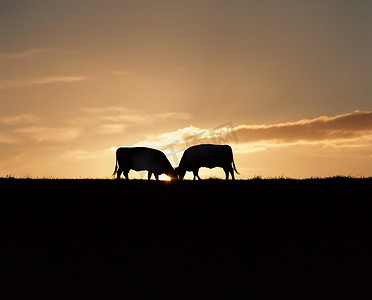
142	158
206	155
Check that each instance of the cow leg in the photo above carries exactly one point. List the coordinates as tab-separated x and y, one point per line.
231	170
126	174
232	173
149	175
156	176
119	173
227	171
196	174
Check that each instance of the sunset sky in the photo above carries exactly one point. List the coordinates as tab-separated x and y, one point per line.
286	83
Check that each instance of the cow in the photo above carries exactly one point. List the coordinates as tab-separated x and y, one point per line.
142	158
207	155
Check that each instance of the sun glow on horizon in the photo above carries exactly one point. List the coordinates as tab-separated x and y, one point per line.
164	177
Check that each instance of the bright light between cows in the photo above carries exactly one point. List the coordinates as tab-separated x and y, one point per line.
164	177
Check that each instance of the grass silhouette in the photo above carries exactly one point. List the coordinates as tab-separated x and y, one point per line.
181	239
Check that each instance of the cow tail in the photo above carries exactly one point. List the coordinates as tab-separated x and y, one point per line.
116	166
235	167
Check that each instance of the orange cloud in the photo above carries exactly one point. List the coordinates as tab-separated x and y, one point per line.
351	130
342	127
23	54
50	134
19	119
25	83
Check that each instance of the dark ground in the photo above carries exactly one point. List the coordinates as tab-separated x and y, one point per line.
254	239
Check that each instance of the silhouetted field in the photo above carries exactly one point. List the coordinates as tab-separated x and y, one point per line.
268	239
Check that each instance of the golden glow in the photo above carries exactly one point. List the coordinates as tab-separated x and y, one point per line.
164	177
100	78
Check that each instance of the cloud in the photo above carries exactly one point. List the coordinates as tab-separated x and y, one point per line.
115	119
23	54
174	143
58	79
6	138
110	128
24	83
172	115
19	128
81	154
94	121
347	130
19	119
122	73
123	114
342	127
10	123
49	134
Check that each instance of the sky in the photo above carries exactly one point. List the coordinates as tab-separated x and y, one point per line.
287	84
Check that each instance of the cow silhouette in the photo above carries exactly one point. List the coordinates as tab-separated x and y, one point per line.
207	155
142	158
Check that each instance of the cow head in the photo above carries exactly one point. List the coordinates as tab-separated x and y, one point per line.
180	173
172	174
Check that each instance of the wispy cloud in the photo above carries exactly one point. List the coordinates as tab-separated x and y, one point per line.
6	138
39	134
342	127
58	79
122	73
173	143
13	122
110	128
19	119
123	114
82	154
115	119
30	127
91	122
23	54
24	83
347	130
49	134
